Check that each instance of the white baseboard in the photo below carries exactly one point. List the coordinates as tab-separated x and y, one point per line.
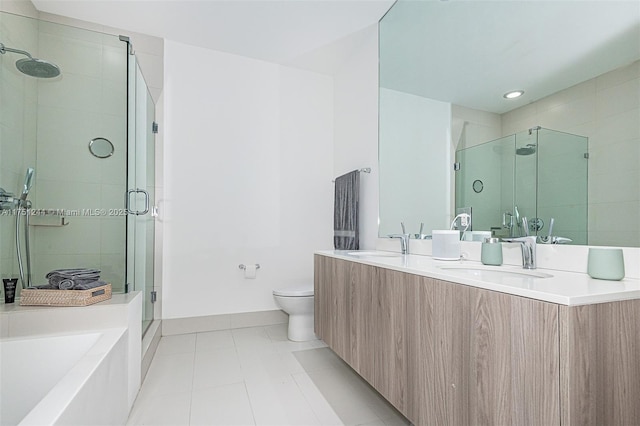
222	322
150	342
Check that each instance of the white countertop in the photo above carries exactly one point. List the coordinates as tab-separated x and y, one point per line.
565	288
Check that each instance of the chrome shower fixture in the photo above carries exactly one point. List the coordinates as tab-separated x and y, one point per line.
28	183
31	66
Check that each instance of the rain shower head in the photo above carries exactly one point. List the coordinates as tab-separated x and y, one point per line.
526	150
28	183
31	66
37	68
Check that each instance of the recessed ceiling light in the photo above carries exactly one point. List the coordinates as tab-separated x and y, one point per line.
514	94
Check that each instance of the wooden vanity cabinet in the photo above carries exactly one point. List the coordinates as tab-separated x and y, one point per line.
450	354
600	364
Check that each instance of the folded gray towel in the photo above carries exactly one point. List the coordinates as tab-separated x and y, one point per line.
67	279
87	286
66	284
73	272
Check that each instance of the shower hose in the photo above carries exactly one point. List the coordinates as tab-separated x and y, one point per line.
23	208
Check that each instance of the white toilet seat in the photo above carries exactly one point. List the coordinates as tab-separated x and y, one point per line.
299	290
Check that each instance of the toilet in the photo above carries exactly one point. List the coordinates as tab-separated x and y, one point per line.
297	301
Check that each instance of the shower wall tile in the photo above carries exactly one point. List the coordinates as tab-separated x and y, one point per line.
20	31
619	127
599	216
112	235
68	162
52	20
73	91
113	99
7	239
618	76
70	32
566	218
114	60
569	114
73	56
614	100
54	194
113	271
624	154
11	153
580	91
82	235
20	7
113	197
613	238
617	186
58	126
113	169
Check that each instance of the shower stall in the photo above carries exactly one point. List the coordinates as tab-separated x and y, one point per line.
77	156
530	183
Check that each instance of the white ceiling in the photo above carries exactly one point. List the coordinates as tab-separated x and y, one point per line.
272	30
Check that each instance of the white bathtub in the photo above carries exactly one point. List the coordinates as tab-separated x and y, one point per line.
64	379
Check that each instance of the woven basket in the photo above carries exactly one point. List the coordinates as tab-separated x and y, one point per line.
34	297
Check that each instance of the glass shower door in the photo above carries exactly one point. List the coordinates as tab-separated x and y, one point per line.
141	193
562	183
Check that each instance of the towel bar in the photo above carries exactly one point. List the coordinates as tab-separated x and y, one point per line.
362	170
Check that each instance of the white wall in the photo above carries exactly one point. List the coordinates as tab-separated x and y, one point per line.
356	128
248	167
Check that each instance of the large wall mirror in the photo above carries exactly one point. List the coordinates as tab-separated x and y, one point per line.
564	156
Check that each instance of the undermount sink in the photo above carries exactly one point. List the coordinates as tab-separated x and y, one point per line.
490	272
368	253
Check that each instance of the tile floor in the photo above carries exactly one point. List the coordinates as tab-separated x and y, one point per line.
254	376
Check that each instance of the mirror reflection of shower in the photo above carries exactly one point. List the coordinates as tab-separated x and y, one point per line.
23	206
526	150
31	66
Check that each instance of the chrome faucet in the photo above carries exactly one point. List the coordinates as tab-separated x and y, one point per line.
528	246
404	239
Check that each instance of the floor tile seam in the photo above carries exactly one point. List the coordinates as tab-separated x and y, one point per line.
304	395
232	344
246	392
193	379
220	385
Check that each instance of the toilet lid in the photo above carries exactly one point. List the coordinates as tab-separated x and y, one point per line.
296	290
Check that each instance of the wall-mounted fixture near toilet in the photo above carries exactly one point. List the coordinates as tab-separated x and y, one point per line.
297	301
249	270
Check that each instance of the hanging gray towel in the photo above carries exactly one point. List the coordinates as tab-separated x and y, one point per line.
345	212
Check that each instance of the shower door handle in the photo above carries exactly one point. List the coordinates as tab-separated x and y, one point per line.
146	202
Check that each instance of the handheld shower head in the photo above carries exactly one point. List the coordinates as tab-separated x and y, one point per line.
28	183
